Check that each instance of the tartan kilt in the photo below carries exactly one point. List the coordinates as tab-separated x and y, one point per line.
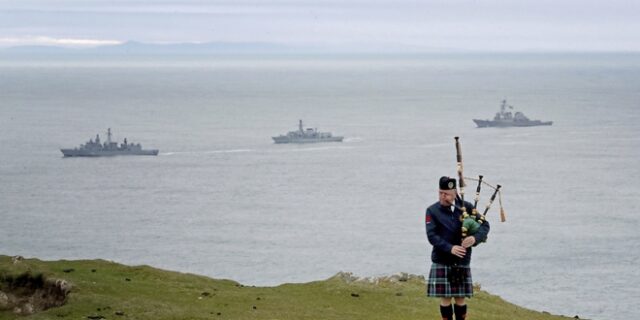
438	284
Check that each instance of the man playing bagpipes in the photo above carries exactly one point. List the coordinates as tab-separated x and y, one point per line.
453	227
450	275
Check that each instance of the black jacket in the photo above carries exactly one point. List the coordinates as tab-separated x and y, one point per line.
444	230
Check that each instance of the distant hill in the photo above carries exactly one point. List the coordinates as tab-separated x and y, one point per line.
139	48
36	49
223	48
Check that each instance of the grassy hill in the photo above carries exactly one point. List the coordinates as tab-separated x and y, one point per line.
106	290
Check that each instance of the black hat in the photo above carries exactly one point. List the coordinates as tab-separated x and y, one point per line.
447	183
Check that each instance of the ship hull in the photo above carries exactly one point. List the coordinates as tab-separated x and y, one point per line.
505	124
285	139
101	153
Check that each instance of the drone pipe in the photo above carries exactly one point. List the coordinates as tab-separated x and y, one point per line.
477	198
493	197
460	176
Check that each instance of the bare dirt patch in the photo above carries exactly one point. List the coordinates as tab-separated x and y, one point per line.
27	294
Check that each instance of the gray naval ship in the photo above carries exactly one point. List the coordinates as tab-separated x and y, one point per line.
505	118
96	149
310	135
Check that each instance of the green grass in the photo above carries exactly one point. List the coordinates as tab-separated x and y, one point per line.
158	294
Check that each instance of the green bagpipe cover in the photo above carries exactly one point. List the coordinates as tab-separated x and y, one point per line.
470	225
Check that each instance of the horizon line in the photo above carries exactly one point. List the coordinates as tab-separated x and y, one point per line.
281	48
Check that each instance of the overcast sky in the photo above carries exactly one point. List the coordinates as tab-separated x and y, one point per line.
405	25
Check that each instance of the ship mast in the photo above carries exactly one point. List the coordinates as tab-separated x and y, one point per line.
109	136
300	126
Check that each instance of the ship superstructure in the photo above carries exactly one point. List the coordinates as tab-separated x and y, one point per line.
505	118
308	135
96	148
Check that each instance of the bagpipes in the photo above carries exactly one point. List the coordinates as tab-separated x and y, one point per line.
471	221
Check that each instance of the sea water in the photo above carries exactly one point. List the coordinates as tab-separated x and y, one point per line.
222	200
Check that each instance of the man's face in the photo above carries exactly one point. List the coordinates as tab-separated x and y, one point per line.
447	197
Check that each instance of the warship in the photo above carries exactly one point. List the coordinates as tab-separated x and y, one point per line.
310	135
505	118
96	149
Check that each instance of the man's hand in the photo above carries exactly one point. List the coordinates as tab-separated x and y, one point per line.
458	251
468	241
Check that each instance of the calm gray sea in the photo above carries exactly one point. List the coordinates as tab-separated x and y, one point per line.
224	201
